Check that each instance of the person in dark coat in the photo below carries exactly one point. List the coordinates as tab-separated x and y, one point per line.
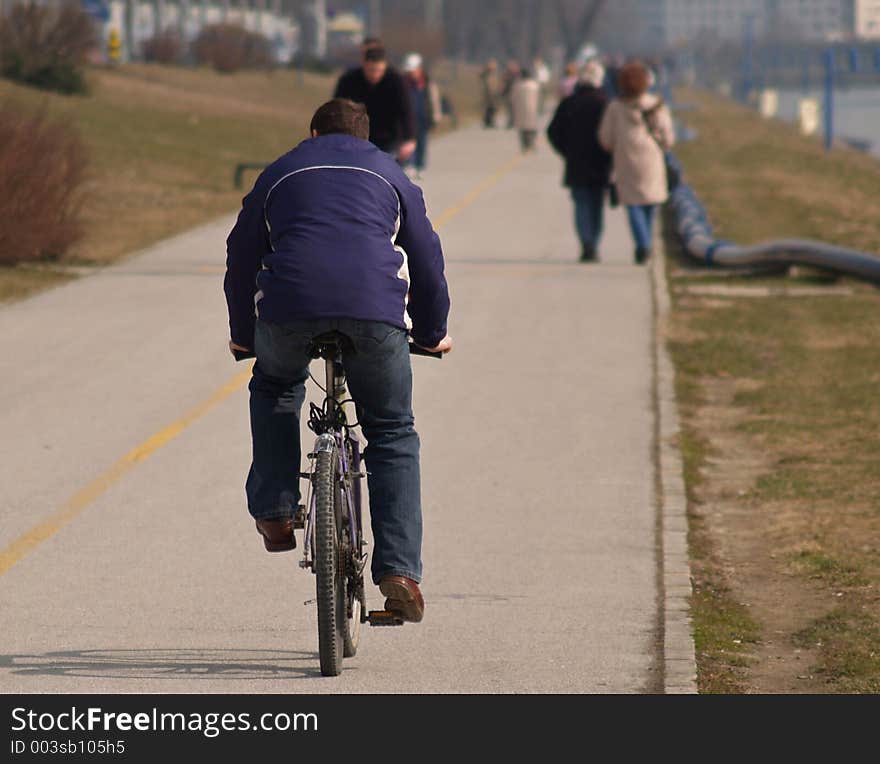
426	107
385	94
573	133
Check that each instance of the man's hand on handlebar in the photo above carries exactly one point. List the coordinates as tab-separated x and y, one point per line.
406	150
233	348
445	346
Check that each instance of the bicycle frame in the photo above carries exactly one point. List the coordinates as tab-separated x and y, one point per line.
331	424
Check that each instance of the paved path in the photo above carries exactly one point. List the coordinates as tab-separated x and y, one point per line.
128	562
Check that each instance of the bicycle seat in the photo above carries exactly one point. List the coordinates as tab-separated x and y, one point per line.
329	344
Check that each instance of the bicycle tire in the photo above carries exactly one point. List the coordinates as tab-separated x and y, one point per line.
329	582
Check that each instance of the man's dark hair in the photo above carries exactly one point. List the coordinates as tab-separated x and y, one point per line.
371	42
375	53
342	116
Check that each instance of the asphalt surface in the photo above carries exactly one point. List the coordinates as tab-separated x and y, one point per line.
128	562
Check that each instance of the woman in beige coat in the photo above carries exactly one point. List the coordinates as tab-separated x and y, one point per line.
525	99
637	130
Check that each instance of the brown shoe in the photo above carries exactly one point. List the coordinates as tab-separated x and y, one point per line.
277	534
404	597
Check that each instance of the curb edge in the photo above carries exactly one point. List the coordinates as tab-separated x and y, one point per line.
679	653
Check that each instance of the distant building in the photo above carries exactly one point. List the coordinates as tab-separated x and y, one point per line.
812	19
133	22
867	19
670	23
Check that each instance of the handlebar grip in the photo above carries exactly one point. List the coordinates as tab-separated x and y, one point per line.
416	350
241	355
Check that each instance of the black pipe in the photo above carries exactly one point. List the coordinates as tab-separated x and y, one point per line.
698	242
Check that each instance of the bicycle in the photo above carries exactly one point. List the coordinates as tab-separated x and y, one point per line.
334	546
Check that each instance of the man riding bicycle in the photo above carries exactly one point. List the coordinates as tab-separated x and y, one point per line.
335	238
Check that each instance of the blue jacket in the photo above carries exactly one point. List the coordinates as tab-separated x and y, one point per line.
335	229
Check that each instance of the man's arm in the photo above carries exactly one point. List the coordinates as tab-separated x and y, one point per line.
246	245
556	130
428	294
406	115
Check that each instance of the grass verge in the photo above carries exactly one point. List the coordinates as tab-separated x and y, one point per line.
780	416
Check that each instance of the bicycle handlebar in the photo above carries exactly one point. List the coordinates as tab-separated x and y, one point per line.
418	350
414	349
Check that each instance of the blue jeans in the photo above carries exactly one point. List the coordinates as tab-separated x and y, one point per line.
641	222
380	382
420	155
589	204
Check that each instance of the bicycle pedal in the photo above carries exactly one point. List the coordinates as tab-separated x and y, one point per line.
384	618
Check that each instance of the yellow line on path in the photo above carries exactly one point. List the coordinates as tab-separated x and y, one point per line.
81	500
478	191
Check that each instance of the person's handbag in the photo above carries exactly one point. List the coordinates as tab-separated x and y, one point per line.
673	169
613	198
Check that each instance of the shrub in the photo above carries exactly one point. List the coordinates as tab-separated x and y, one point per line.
164	48
46	45
42	170
229	47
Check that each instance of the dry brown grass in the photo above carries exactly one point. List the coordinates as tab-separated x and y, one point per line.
784	487
164	142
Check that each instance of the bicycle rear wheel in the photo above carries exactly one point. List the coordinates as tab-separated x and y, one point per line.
338	634
329	582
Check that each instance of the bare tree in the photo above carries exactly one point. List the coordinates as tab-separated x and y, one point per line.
575	33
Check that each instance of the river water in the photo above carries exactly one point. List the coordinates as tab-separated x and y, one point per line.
856	112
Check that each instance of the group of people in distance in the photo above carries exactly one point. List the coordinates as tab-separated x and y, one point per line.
403	108
614	145
522	91
610	129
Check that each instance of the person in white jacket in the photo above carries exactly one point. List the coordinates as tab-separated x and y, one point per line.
637	130
524	98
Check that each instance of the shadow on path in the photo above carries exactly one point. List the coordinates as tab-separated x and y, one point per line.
164	664
532	262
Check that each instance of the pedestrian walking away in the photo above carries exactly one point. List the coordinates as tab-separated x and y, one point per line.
524	100
335	238
637	129
542	75
384	92
573	133
490	81
427	109
511	76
